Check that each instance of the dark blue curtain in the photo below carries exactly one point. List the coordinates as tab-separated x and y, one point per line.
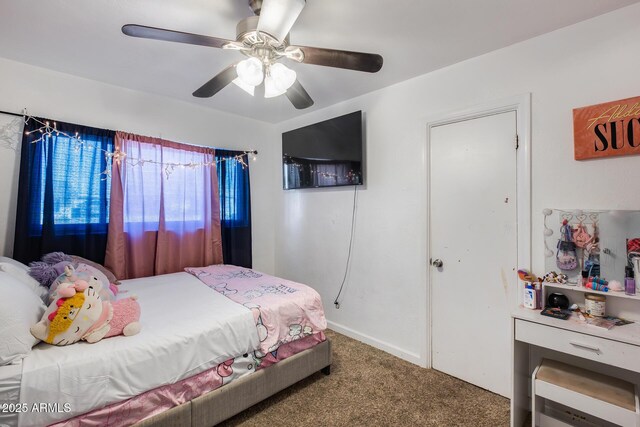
63	197
235	208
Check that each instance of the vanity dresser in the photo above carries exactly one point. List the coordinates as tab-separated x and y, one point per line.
612	352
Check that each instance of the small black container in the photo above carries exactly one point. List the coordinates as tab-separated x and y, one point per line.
558	300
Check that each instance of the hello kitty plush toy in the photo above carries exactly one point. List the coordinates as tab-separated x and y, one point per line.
80	314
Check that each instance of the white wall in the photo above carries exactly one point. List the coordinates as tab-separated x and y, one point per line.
68	98
10	136
385	296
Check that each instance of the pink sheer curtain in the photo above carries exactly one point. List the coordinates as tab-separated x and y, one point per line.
162	218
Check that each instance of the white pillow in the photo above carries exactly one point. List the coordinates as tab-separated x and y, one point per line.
21	275
14	262
20	308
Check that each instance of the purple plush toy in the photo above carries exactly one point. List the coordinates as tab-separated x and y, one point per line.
51	266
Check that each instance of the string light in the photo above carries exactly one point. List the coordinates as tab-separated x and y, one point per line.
309	169
119	156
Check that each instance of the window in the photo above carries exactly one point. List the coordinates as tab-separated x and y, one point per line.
164	187
233	188
235	208
80	188
63	195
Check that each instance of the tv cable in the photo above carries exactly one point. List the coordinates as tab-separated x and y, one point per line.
336	302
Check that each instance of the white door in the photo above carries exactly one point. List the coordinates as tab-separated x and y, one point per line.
473	233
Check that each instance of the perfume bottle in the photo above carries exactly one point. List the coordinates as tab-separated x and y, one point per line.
629	281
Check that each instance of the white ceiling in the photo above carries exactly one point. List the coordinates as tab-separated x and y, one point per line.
82	37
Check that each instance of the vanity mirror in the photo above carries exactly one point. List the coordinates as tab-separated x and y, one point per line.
601	243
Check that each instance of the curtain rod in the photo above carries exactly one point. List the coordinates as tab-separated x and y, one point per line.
9	113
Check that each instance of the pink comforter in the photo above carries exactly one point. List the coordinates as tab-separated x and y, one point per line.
284	311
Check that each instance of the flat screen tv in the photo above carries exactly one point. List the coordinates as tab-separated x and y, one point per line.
325	154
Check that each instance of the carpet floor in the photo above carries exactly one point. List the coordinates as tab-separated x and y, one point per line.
368	387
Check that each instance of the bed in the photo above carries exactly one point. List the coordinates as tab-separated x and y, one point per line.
214	341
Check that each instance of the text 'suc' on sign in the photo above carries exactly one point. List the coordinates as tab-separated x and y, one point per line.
609	129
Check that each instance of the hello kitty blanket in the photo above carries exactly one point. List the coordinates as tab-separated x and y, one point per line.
284	311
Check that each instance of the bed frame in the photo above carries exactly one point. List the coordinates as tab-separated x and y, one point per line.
225	402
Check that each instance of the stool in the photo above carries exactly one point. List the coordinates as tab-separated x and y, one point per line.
611	399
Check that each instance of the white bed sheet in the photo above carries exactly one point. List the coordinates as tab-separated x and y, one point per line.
186	328
10	376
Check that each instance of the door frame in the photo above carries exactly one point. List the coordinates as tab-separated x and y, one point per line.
521	105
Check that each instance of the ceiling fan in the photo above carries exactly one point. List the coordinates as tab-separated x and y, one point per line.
264	39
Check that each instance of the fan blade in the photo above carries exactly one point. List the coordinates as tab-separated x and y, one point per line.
172	36
278	16
358	61
299	96
216	84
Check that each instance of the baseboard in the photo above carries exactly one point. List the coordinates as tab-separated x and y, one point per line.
374	342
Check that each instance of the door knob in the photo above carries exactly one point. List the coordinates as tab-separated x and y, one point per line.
437	263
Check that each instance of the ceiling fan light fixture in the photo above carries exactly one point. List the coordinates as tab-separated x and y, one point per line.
245	87
250	71
270	89
264	40
277	17
278	80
